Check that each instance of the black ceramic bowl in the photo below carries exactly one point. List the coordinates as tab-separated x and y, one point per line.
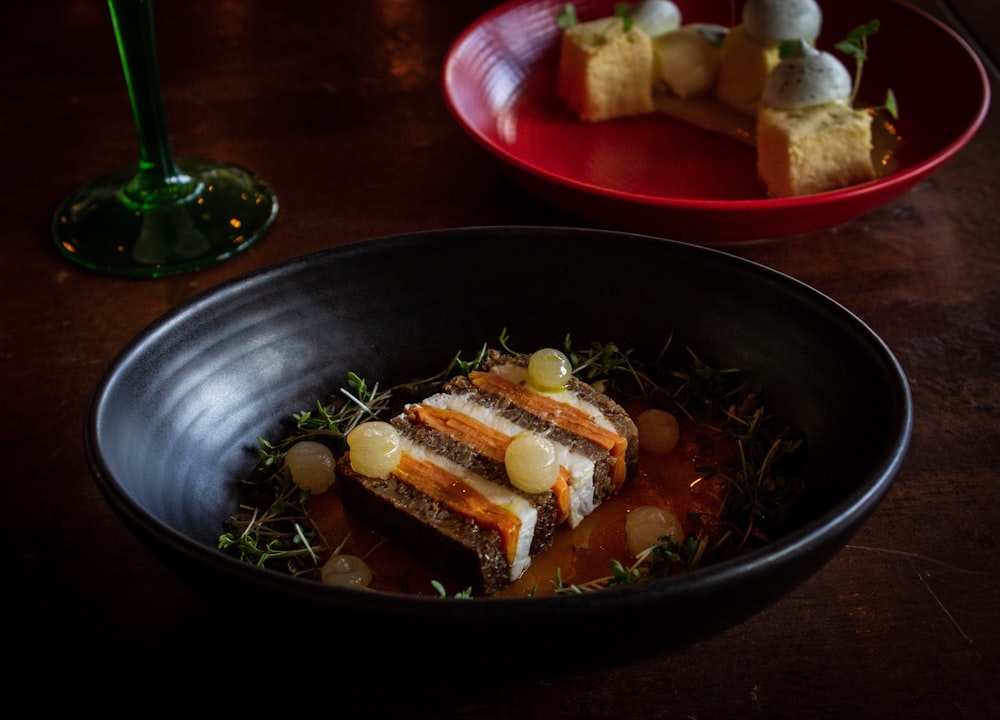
175	420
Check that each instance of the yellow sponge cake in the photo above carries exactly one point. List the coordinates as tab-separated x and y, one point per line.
606	71
809	137
814	149
743	69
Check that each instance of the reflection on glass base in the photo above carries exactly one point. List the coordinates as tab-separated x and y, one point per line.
99	227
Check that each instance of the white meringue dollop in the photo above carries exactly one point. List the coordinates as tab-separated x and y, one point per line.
807	78
770	22
656	17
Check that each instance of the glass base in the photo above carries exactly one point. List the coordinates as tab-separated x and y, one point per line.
101	228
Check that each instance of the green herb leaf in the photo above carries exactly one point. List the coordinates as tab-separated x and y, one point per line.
890	104
787	48
856	45
567	17
623	11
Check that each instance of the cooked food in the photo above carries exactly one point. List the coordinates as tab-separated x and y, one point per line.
490	466
798	111
519	474
686	61
809	138
605	70
751	49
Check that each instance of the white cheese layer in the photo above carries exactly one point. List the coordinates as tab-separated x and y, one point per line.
581	468
496	494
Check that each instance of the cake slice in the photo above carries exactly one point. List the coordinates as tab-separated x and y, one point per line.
814	149
810	138
605	71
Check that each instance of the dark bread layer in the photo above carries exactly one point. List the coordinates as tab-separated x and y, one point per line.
425	527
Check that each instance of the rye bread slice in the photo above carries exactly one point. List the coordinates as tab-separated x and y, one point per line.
425	527
450	540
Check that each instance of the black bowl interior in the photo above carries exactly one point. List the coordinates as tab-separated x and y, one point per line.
175	420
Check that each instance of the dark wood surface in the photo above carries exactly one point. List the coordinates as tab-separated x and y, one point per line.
339	105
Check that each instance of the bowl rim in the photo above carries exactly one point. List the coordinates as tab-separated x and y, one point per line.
842	520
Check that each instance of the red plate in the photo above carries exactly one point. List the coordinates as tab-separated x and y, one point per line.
661	176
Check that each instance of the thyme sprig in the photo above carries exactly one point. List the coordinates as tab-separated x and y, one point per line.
280	532
599	361
760	489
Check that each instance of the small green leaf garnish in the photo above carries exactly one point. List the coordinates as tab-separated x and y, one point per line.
787	48
567	17
856	45
623	11
463	595
856	42
890	105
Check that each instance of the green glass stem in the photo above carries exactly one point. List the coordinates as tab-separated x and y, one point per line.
159	180
162	216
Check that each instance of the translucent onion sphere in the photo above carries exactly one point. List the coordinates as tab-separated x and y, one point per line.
346	571
549	369
658	431
311	465
645	525
531	463
375	449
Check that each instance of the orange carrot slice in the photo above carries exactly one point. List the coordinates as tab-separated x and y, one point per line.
486	440
449	489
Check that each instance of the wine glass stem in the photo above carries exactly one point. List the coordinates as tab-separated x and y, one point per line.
159	181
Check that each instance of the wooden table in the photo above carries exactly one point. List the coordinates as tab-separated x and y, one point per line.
339	106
